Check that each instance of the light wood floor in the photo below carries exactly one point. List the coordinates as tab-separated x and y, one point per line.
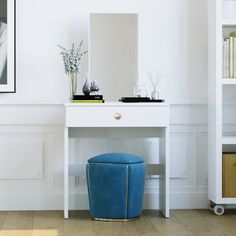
181	222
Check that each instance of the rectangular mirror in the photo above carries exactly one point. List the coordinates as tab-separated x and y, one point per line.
113	53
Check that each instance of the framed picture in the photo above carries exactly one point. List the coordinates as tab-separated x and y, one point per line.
7	46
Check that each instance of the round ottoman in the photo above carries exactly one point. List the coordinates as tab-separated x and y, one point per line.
115	186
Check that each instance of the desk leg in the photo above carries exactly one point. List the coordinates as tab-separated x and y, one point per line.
164	177
66	154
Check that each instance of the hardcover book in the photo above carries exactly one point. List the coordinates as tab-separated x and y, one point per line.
88	101
89	97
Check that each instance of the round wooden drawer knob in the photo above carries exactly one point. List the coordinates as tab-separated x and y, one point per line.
117	116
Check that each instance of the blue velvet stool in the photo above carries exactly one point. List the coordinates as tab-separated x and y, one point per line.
115	186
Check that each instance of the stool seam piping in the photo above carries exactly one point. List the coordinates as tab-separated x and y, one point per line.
127	191
89	186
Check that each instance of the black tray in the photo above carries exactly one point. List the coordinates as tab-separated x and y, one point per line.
139	99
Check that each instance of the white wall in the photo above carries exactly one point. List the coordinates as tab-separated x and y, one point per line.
173	35
174	40
31	144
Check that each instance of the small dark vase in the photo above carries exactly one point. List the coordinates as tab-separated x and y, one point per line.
86	88
94	87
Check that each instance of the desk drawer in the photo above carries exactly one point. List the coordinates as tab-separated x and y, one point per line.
117	116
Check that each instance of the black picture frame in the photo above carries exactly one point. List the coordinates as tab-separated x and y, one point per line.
8	71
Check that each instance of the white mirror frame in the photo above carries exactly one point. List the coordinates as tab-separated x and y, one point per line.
134	76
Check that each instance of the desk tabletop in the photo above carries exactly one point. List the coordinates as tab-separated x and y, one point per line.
118	104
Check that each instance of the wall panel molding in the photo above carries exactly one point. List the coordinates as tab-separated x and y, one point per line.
22	158
32	151
43	124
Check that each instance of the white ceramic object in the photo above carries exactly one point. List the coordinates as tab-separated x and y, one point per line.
229	9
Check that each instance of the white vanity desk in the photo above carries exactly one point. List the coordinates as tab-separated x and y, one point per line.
131	119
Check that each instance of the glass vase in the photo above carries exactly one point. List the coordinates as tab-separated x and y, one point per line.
155	95
73	80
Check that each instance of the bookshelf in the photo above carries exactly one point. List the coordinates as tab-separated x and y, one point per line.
228	81
218	27
228	22
229	140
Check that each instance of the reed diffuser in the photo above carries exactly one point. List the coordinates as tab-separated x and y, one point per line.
154	81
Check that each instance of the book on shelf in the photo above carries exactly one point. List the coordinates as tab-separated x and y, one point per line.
234	57
225	58
229	56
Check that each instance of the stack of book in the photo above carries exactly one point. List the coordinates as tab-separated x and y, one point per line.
88	99
229	56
